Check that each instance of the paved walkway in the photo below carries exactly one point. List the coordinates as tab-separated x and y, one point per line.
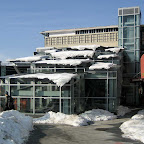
102	132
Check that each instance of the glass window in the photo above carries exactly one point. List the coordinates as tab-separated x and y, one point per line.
45	105
82	39
47	91
19	90
128	20
64	40
137	32
112	88
94	38
128	32
88	38
129	56
137	19
65	107
24	104
128	41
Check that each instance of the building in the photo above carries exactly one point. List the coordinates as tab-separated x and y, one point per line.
81	69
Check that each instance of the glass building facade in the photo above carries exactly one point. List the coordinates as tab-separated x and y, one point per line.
129	39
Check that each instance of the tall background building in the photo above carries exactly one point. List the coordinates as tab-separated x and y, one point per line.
129	38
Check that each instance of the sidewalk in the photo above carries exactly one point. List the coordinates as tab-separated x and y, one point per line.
102	132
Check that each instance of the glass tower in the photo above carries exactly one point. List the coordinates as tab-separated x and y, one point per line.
129	39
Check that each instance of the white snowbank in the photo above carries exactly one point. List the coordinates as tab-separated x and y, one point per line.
75	120
72	62
58	78
60	118
98	115
14	127
107	56
70	54
101	65
134	128
122	110
29	59
115	50
82	47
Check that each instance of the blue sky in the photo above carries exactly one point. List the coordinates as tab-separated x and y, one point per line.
21	21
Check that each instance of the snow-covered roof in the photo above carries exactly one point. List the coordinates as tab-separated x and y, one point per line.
72	62
115	50
29	59
50	51
40	49
107	56
101	65
66	54
82	47
59	79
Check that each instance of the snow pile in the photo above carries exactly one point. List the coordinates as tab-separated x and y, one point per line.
101	65
72	62
59	79
122	110
83	47
134	128
107	56
75	120
70	54
115	50
14	127
98	115
60	118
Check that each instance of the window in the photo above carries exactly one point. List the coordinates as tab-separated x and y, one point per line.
94	38
59	40
76	39
88	38
64	40
100	37
70	39
53	41
48	41
106	37
82	39
112	37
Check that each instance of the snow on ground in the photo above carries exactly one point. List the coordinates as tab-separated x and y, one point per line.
98	115
101	65
71	54
59	79
122	110
72	62
14	127
60	118
134	128
75	120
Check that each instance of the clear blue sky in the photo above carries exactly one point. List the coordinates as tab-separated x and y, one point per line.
21	21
